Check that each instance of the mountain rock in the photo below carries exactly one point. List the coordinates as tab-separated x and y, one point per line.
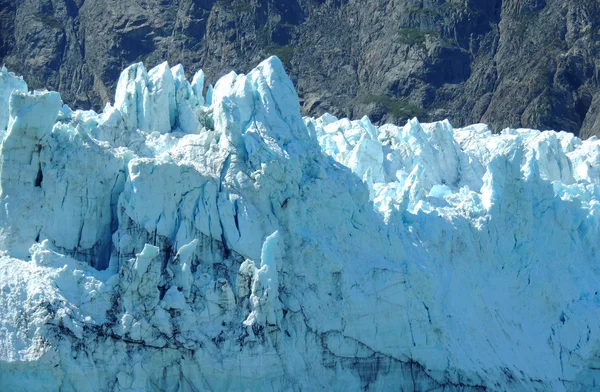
507	63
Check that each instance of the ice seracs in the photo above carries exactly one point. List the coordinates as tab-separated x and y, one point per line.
190	240
9	82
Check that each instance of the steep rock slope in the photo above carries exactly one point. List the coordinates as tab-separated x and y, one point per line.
507	63
186	242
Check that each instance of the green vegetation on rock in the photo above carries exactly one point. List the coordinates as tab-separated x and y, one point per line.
411	37
284	52
400	109
48	20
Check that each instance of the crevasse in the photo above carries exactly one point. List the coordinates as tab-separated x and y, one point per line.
179	243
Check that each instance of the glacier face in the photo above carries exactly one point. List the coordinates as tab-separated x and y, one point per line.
185	243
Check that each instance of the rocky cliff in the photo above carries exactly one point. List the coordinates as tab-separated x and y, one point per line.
530	63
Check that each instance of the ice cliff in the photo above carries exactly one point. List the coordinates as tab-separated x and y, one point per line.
181	242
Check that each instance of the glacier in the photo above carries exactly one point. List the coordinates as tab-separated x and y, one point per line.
181	242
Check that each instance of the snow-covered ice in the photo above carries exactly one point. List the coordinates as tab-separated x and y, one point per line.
184	242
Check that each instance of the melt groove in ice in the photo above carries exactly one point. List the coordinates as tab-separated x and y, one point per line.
186	243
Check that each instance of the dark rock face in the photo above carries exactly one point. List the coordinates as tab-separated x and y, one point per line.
509	63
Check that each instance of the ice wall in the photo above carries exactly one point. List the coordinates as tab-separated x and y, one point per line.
179	243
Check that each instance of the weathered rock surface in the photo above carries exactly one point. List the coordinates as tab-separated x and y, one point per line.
508	63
